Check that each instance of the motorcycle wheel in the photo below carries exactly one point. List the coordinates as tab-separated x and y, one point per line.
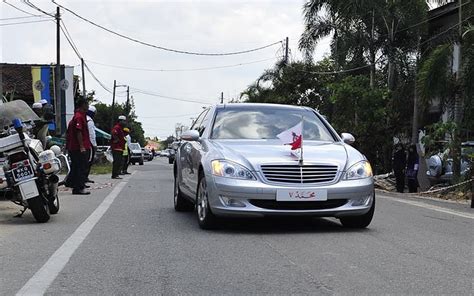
38	209
53	205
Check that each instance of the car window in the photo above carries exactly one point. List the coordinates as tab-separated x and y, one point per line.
135	146
267	123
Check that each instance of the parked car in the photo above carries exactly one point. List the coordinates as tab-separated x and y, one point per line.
136	154
171	157
440	167
231	164
147	155
164	153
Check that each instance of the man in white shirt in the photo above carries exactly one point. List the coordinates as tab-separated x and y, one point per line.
91	126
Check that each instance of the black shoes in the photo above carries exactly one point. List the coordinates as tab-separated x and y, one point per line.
80	192
90	181
125	173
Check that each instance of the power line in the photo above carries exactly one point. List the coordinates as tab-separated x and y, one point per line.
149	93
19	9
27	2
76	50
21	23
181	70
171	116
21	17
161	47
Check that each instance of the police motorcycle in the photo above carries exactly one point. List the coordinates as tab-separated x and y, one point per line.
28	173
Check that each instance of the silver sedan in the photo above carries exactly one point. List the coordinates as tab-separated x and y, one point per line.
231	163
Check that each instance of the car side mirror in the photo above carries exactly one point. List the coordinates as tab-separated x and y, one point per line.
347	138
190	135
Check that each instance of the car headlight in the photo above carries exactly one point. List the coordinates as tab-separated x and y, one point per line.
359	170
224	168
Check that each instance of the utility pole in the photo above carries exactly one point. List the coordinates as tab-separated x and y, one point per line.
127	106
286	50
113	105
83	80
222	97
57	75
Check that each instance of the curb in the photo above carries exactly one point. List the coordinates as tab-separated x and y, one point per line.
412	195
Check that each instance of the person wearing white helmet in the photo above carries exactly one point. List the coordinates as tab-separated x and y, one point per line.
91	126
38	109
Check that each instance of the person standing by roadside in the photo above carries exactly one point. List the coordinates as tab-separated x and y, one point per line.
91	127
117	144
126	151
412	169
77	144
399	165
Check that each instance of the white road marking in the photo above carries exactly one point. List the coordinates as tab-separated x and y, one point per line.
45	276
428	206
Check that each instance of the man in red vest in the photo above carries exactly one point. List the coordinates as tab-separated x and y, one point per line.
117	144
78	144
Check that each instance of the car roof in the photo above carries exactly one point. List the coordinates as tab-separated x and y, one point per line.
252	106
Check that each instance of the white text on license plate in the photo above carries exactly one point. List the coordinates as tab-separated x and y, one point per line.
302	195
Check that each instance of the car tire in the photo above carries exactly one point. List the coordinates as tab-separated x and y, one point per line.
206	219
37	206
361	221
170	161
180	202
141	162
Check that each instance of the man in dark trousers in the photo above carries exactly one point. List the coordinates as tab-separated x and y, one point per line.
78	143
399	165
117	144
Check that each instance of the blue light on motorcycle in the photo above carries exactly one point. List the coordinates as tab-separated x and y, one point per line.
17	123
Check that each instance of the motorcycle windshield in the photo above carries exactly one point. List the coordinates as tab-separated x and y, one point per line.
16	109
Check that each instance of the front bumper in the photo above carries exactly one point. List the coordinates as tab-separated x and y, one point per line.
257	199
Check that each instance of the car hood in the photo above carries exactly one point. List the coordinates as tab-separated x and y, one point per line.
253	153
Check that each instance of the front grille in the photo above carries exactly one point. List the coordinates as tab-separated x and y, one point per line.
299	174
298	205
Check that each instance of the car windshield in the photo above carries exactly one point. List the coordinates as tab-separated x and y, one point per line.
135	146
267	123
15	109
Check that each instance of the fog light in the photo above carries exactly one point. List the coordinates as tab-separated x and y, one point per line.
230	202
361	201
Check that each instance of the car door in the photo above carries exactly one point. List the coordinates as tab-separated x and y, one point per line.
186	159
197	150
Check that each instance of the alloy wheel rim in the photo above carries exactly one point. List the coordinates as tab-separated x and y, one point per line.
202	201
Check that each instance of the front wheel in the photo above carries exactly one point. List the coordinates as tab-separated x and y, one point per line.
206	219
38	206
361	221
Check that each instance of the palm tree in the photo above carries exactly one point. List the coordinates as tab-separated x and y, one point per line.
436	78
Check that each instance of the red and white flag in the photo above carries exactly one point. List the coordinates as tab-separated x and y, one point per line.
293	136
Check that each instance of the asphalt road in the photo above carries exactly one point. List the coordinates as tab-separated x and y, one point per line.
134	243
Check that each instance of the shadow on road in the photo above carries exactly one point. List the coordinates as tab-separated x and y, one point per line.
273	225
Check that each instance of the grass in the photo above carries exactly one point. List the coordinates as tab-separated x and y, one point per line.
101	169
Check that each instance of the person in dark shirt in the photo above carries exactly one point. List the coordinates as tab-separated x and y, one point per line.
413	163
117	144
78	144
399	164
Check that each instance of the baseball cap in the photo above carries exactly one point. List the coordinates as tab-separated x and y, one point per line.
92	109
122	117
37	106
126	129
43	101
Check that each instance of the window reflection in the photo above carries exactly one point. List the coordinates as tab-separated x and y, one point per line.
267	124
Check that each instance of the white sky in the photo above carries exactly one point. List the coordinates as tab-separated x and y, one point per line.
201	26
